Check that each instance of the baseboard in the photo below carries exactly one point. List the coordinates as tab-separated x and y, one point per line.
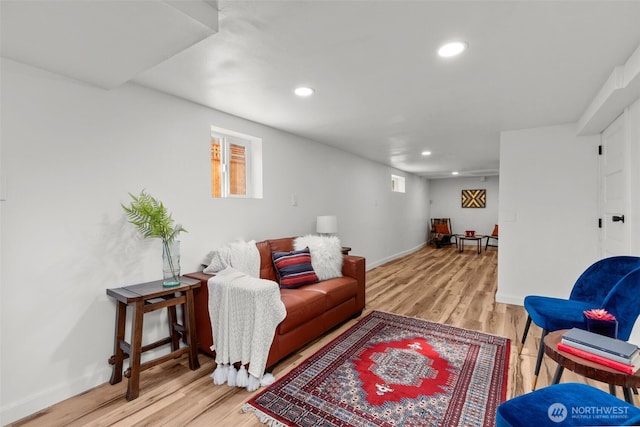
41	400
509	299
378	263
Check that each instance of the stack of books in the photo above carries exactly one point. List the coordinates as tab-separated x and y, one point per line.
614	353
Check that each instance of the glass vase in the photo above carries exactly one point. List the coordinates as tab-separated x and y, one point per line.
171	264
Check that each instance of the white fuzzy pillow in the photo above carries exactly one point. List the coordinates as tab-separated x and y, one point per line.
326	254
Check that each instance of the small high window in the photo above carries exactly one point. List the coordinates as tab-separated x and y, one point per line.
397	184
236	164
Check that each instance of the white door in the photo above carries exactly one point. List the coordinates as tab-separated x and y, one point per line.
613	190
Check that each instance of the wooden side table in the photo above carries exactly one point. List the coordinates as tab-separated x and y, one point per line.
588	368
145	298
460	238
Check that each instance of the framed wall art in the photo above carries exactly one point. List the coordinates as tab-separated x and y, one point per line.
474	198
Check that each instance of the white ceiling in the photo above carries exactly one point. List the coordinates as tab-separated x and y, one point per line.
381	90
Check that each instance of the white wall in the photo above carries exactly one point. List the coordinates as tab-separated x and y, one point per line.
446	203
548	211
633	122
71	153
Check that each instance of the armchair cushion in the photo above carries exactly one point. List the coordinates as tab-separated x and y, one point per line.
553	314
442	228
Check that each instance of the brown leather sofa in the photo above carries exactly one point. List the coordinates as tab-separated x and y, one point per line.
311	309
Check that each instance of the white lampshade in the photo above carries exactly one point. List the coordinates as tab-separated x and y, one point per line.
327	224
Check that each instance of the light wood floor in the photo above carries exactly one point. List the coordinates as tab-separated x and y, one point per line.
440	285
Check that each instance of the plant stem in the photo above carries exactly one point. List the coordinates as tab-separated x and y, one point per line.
170	259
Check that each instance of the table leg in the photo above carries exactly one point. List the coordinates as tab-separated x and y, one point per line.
627	395
558	374
133	390
173	332
479	245
190	324
118	354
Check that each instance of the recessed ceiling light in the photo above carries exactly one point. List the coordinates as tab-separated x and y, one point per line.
426	153
452	49
454	173
304	91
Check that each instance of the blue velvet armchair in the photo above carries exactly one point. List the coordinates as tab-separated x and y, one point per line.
589	291
568	404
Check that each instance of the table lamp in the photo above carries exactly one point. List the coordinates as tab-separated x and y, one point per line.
327	224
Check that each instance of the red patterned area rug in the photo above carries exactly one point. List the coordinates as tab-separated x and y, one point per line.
391	370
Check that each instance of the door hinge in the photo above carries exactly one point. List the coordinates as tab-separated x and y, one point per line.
599	150
599	222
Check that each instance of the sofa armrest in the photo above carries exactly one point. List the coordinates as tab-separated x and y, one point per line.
354	266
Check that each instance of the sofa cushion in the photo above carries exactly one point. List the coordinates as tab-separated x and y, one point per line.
294	268
301	306
267	271
281	245
335	291
265	248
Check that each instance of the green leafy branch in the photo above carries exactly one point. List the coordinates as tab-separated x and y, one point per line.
151	218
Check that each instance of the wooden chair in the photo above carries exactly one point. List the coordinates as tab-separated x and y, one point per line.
494	236
441	232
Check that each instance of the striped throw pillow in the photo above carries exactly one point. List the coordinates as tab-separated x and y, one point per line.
294	268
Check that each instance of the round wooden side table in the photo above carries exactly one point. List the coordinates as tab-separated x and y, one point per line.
588	368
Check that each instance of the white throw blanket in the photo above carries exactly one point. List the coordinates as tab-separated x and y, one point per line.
244	312
241	255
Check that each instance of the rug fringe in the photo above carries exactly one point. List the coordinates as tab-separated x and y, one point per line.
262	417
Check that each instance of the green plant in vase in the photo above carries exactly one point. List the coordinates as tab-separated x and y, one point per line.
152	220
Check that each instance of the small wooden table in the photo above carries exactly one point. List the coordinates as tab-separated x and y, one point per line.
460	238
588	368
145	298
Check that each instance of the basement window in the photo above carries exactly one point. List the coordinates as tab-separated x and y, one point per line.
397	184
236	165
